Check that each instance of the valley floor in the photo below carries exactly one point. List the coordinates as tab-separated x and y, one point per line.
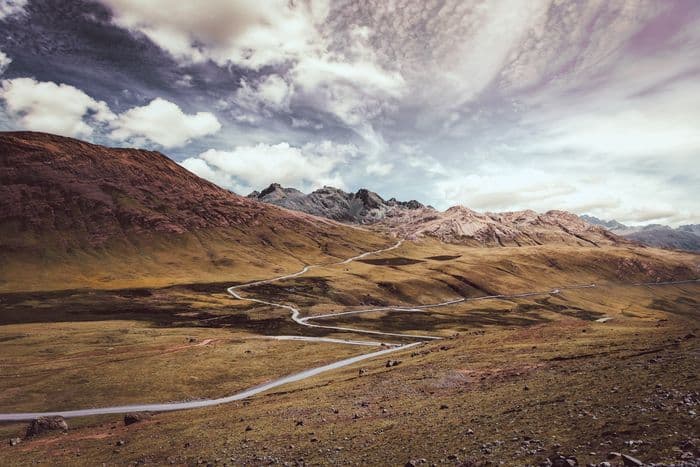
582	372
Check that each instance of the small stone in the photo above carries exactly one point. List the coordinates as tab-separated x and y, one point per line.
120	442
444	406
249	428
613	455
15	441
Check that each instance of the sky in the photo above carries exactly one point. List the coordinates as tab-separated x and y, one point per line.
499	105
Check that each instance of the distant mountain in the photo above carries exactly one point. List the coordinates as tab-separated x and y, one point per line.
363	207
458	224
75	211
686	237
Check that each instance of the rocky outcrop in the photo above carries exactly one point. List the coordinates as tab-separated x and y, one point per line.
458	224
362	207
45	424
685	237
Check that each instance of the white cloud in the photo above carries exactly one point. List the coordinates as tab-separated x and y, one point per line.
11	7
164	123
611	194
349	82
246	168
379	168
270	94
4	62
65	110
53	108
199	167
249	33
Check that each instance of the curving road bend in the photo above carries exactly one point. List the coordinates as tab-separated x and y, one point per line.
304	321
171	406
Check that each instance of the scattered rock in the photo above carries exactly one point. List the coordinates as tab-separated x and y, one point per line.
43	424
120	442
562	461
362	371
136	417
390	363
15	441
613	455
299	423
444	406
630	461
249	428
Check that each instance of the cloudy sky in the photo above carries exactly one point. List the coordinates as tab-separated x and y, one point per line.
589	106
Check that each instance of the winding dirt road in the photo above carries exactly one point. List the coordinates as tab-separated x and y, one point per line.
234	291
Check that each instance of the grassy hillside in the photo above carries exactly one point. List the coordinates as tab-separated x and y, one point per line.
74	214
514	380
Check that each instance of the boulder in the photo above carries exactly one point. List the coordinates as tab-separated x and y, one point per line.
44	424
136	417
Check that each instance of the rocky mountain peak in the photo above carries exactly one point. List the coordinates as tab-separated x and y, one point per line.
370	199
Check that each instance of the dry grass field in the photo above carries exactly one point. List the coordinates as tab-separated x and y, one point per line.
515	380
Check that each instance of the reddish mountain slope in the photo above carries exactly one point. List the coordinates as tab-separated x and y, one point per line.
519	228
65	201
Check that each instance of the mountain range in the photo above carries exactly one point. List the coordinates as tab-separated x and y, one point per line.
685	237
78	214
458	224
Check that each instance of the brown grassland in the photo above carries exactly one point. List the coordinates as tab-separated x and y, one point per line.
514	380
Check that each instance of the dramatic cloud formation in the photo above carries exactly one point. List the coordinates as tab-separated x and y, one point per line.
163	123
51	107
502	104
348	83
